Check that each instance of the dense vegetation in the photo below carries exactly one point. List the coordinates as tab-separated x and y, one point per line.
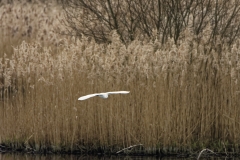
183	97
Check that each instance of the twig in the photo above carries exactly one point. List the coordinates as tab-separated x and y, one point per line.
225	149
130	147
203	151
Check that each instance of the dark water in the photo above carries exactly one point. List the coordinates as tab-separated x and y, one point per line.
78	157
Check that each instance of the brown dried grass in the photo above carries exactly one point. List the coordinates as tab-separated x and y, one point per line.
182	96
30	22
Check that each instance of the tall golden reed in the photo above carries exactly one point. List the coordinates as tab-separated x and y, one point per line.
183	97
35	21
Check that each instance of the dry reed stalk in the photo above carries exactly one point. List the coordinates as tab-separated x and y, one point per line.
128	148
204	151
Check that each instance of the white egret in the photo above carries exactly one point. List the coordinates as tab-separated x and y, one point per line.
102	95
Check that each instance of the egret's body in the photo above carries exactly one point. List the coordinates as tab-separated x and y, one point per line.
102	95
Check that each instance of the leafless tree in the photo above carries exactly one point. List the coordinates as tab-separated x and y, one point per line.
139	18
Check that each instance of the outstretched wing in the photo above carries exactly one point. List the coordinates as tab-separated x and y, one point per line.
119	92
87	96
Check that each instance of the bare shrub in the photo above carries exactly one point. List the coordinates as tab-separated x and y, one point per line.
139	19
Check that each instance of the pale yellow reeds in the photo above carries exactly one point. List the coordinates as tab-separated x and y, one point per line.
183	97
180	96
30	21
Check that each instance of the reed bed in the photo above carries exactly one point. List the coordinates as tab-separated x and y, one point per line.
183	97
36	21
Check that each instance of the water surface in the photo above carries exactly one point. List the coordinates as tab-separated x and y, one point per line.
18	156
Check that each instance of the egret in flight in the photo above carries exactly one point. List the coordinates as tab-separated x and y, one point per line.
102	95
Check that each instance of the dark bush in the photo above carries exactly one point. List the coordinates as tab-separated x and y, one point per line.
149	18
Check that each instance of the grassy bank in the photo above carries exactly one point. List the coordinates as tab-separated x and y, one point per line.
182	97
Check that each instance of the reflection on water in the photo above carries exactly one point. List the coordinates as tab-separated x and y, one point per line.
81	157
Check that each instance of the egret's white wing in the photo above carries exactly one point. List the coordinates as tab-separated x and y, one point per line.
119	92
87	96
